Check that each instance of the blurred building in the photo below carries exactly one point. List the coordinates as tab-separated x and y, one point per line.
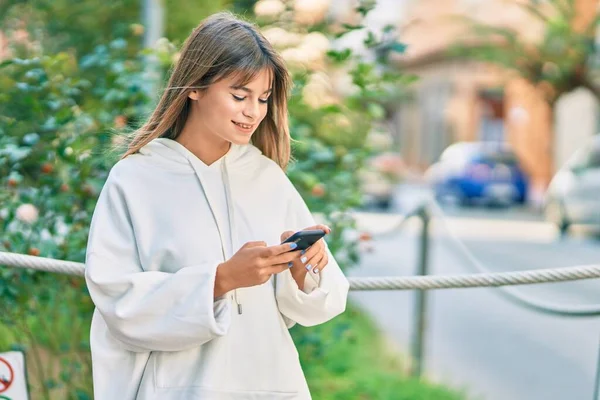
461	100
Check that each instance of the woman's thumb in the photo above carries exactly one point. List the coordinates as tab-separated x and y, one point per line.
286	235
249	245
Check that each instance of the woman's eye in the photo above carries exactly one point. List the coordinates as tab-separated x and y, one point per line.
238	98
264	101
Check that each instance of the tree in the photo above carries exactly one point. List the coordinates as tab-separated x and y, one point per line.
61	25
559	63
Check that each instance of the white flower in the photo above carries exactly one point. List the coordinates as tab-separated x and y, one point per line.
61	228
379	140
281	38
268	8
316	41
318	91
163	45
45	235
342	82
310	53
118	140
293	57
314	46
310	12
84	155
27	213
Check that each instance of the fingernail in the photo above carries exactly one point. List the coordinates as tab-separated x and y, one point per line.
293	245
316	270
290	264
308	267
303	251
303	260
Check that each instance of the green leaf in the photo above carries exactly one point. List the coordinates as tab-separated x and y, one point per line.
339	56
365	6
351	27
534	10
332	108
370	41
389	28
6	63
398	47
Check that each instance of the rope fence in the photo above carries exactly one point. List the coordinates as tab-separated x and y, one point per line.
478	279
490	279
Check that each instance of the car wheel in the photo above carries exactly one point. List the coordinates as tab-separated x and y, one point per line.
384	204
554	212
452	196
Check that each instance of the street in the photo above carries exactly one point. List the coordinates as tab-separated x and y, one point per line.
476	339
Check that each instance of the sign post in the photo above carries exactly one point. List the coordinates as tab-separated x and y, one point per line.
13	378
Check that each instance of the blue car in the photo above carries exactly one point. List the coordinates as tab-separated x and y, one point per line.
478	173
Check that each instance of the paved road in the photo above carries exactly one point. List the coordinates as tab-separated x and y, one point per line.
477	340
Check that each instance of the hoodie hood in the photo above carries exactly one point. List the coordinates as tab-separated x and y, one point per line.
172	155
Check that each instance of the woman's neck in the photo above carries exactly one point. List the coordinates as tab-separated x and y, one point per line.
208	148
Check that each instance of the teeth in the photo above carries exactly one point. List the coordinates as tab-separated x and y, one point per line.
243	126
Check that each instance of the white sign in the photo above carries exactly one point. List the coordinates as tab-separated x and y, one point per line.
13	382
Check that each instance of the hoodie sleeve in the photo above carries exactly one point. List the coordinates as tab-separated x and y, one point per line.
147	310
322	298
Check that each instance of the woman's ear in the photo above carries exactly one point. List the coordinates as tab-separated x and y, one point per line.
194	95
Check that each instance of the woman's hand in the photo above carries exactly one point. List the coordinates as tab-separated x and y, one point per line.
311	260
253	265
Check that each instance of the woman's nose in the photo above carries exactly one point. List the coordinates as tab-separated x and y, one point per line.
252	110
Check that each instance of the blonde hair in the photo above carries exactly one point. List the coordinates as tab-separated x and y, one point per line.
220	47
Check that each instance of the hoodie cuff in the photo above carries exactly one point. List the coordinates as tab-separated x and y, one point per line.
311	282
312	294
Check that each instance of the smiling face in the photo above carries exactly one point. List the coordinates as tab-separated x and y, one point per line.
229	112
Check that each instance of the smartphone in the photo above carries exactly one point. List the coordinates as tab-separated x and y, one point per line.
305	239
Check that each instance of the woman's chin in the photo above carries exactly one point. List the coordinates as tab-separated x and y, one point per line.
241	140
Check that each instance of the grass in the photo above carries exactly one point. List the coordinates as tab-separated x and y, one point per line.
347	359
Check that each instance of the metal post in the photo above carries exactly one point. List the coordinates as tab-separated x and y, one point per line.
597	383
153	17
420	308
153	21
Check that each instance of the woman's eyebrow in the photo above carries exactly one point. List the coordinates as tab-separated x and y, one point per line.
248	90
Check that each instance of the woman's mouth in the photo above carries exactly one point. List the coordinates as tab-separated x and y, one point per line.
243	127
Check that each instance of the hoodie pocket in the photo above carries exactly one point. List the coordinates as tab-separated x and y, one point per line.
209	371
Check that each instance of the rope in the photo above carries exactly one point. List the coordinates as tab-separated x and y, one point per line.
476	280
510	294
41	263
381	283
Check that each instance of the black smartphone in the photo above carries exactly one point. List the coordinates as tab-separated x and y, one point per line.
305	239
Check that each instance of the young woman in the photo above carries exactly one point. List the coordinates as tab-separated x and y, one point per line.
194	293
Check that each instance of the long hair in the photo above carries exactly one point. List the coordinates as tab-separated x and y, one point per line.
220	47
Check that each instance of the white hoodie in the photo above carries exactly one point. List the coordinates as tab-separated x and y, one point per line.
159	230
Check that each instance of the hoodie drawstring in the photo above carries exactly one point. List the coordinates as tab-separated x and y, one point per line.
225	177
232	227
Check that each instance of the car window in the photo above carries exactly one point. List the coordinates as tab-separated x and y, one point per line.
586	159
458	152
499	158
593	160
